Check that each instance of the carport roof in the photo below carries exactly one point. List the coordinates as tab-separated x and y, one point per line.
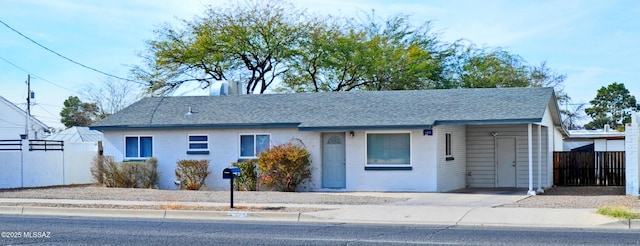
356	110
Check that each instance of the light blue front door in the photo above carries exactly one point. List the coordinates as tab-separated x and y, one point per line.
333	161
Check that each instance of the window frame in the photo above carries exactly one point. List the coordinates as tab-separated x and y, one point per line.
448	144
255	145
191	151
137	157
395	166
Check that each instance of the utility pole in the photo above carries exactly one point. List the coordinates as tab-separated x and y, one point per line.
26	127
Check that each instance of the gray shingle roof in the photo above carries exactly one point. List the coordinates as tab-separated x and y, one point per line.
338	110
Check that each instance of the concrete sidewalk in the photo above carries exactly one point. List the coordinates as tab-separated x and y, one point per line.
391	214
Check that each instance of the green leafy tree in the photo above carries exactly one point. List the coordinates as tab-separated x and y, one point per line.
77	113
260	42
612	105
248	42
375	54
490	68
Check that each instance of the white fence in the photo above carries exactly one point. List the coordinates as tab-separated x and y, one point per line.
24	164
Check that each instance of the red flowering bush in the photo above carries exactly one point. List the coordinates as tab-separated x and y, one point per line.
284	167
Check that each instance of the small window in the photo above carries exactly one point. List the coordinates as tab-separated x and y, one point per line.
198	142
138	147
388	149
447	148
251	145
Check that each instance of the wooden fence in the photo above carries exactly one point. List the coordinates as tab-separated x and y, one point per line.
589	168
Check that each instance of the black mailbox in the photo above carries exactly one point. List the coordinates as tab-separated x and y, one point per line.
231	172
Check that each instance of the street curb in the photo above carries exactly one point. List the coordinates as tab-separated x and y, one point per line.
10	210
150	213
272	216
91	212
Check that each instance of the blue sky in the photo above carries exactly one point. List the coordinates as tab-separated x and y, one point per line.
595	43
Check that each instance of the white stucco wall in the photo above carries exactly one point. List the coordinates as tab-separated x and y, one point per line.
169	146
452	173
554	142
615	145
423	177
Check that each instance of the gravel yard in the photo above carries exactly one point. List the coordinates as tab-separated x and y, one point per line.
579	197
124	194
556	197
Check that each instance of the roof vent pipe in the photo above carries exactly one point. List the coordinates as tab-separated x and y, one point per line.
607	128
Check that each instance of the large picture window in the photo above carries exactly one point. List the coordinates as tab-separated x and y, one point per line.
138	147
388	149
251	145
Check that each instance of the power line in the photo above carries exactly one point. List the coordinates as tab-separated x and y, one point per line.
57	117
37	77
12	123
66	58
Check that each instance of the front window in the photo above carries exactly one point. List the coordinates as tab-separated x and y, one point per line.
251	145
138	147
388	149
447	148
198	142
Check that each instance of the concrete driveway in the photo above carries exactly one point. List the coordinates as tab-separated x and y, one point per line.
478	198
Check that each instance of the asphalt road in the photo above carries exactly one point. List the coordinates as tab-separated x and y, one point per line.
106	231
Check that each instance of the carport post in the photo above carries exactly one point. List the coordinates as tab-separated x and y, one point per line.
531	192
540	190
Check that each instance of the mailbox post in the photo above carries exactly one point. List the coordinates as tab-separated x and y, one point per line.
230	173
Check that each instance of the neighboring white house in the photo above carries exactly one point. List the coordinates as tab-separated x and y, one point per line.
594	140
429	140
13	123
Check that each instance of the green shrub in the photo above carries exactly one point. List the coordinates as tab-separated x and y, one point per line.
125	174
192	173
284	167
248	179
